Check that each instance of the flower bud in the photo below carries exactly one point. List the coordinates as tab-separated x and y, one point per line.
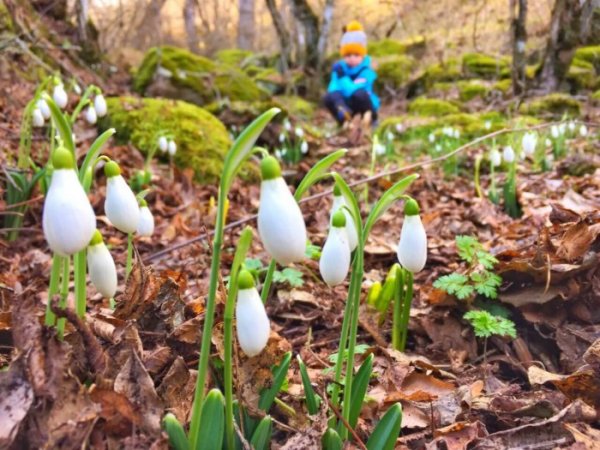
37	118
68	218
281	138
120	205
299	132
100	105
508	154
495	157
339	201
252	323
172	148
60	96
90	115
554	131
101	267
280	222
583	131
304	147
44	108
529	142
146	223
335	256
412	248
163	144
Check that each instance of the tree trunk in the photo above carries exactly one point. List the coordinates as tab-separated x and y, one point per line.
325	30
569	26
310	23
519	38
82	9
189	19
285	41
245	37
149	29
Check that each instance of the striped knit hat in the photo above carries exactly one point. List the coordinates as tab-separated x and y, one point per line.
354	40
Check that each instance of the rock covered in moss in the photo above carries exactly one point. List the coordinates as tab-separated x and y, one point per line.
393	71
295	106
590	54
555	105
470	89
582	74
485	66
432	107
177	73
596	97
6	24
414	46
202	139
234	56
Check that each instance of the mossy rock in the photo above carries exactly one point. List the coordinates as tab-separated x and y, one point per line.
503	86
6	23
393	71
596	97
485	66
469	89
177	73
270	80
202	140
295	106
449	70
554	105
432	107
234	56
590	54
582	74
385	47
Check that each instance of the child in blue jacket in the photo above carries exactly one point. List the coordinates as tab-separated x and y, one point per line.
350	90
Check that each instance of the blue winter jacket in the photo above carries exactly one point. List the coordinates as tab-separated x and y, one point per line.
343	76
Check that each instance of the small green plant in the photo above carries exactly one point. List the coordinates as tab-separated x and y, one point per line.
293	277
293	145
486	324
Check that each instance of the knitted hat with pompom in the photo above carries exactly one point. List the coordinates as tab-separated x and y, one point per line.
354	40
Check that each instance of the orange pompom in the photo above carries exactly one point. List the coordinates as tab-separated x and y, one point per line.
354	26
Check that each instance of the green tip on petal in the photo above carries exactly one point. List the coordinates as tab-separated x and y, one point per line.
63	159
269	168
245	280
336	190
112	169
411	207
96	238
142	202
339	219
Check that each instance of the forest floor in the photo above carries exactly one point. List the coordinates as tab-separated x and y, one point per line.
116	374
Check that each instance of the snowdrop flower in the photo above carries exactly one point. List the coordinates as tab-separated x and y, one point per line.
172	147
399	128
163	144
281	138
379	149
456	133
100	105
548	142
68	218
571	126
299	132
438	148
583	131
37	118
287	125
252	323
554	131
278	154
562	127
146	224
44	108
77	88
529	142
431	138
339	201
90	115
389	136
304	147
60	96
101	267
495	157
508	154
487	125
120	205
412	248
335	256
280	222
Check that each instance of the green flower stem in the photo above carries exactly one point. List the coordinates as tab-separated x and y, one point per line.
264	293
84	101
493	190
477	175
408	296
398	309
112	304
128	263
64	293
57	267
80	267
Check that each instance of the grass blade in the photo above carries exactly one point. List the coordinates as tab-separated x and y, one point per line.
387	430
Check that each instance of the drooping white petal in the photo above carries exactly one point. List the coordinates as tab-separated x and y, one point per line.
163	144
280	222
172	148
529	142
508	154
60	96
554	131
338	202
90	115
583	131
304	147
121	206
44	108
335	257
102	270
37	118
252	323
412	248
146	223
495	157
68	218
100	105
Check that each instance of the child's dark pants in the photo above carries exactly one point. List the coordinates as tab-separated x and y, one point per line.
343	109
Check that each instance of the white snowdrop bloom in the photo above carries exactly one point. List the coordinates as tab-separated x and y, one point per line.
146	223
495	157
287	125
529	142
399	128
77	88
487	125
548	142
304	147
37	118
90	115
68	218
508	154
280	223
554	132
100	105
281	138
172	147
335	256
571	126
299	132
44	108
562	128
252	323
338	202
456	133
389	136
101	267
278	154
163	144
583	131
438	148
412	248
120	205
379	149
431	138
60	96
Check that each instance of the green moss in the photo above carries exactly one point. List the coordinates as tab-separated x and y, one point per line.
295	106
469	89
270	80
485	66
6	24
582	74
202	139
503	86
596	97
385	47
555	105
233	56
449	70
194	77
589	54
393	71
432	107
